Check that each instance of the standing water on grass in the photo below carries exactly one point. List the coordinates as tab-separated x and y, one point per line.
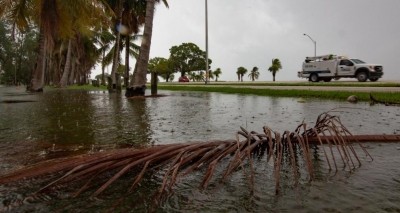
60	123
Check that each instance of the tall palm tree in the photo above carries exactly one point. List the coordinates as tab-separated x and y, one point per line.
132	17
254	74
104	39
241	71
275	67
117	7
216	73
137	86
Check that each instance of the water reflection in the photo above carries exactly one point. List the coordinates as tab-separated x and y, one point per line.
66	118
79	120
98	118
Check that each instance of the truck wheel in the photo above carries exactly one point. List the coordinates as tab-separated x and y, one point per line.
362	76
314	78
373	79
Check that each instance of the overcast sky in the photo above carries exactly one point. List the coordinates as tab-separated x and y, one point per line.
250	33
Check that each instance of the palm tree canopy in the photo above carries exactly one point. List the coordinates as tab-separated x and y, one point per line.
241	71
276	65
217	72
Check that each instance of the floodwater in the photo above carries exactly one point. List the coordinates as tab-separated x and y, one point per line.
58	123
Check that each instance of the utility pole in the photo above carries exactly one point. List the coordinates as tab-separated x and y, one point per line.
207	74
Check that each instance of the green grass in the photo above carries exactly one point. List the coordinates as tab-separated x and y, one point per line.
335	95
228	89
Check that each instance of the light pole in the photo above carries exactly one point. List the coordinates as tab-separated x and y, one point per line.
315	44
207	74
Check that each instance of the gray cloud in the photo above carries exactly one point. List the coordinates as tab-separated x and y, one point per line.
252	32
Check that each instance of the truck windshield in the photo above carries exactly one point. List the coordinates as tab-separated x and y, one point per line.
357	61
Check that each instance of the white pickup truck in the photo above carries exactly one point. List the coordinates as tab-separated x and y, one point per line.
328	67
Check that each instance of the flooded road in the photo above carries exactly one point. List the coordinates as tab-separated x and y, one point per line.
57	123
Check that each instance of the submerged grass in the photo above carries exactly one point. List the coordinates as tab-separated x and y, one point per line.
87	87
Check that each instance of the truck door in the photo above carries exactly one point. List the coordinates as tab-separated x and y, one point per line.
345	67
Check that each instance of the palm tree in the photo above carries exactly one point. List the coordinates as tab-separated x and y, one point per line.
132	17
254	74
275	67
65	76
118	10
137	86
210	74
192	75
104	40
241	71
131	14
216	73
200	76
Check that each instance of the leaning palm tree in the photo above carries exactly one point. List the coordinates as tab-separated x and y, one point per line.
254	74
275	67
216	73
137	85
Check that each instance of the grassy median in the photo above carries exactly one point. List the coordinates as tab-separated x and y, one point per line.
230	88
335	95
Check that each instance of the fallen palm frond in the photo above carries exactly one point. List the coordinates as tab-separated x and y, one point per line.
97	172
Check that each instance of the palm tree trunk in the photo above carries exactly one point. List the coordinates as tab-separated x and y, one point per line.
127	46
72	75
67	68
273	76
103	67
154	81
137	86
116	52
115	62
37	80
